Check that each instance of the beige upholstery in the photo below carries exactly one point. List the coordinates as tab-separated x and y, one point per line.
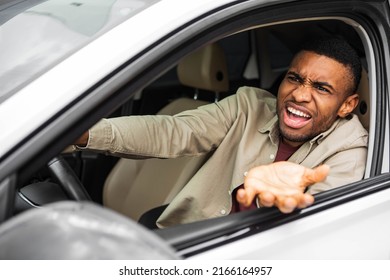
135	186
362	110
205	69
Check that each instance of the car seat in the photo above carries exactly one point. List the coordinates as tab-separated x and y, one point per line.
362	110
135	186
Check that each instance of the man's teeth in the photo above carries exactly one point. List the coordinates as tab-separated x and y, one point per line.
298	113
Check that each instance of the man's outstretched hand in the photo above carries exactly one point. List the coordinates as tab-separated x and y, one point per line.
281	184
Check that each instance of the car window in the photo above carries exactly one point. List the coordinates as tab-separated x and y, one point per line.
124	181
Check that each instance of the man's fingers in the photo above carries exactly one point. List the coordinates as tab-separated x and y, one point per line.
266	199
286	204
252	188
315	175
305	200
245	196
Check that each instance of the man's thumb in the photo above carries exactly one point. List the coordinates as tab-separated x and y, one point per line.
317	174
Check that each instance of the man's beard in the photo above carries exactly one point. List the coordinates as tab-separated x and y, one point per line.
294	137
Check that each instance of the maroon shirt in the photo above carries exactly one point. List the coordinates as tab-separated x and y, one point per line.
283	154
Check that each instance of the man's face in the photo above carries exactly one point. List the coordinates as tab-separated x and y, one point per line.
311	97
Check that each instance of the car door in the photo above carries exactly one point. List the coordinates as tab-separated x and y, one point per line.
344	223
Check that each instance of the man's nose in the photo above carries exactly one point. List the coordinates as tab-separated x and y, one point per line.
303	93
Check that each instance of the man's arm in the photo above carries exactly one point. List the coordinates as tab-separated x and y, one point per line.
281	184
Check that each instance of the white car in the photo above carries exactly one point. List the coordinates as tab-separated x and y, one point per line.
64	65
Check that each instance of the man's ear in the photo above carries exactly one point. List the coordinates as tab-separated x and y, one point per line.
349	105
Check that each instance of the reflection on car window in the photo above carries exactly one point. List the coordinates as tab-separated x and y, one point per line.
36	38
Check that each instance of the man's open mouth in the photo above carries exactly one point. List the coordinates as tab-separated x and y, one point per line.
295	118
297	113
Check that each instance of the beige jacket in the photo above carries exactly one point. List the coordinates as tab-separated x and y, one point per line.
240	131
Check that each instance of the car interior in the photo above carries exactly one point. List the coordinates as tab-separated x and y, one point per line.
256	57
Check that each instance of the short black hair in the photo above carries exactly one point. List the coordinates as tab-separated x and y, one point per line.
339	50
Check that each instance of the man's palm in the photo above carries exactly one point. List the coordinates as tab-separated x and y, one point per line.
281	184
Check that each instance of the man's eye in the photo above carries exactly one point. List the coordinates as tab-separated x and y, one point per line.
322	89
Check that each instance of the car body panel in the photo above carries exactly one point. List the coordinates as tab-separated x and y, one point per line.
351	230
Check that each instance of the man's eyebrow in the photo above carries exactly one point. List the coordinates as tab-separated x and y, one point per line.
315	83
293	73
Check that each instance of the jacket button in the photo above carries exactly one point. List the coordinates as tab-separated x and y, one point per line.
223	211
272	156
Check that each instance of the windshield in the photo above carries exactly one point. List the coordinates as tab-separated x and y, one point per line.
36	35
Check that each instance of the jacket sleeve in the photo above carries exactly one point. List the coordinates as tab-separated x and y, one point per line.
189	133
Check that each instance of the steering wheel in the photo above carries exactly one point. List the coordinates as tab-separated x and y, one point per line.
69	182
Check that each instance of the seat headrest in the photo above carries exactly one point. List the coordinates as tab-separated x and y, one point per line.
362	110
205	69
